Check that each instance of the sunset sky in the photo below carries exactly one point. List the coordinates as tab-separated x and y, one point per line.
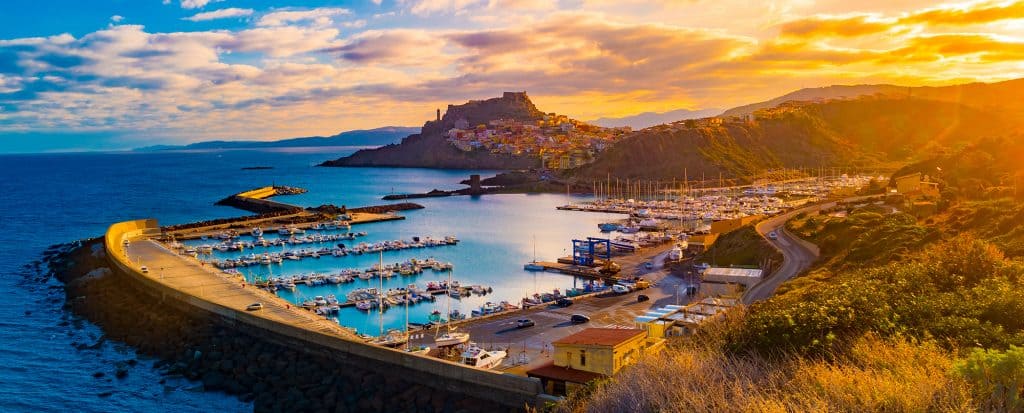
114	74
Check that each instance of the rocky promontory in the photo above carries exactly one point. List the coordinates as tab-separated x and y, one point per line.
428	149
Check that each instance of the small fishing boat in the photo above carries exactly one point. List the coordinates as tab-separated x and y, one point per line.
475	356
451	338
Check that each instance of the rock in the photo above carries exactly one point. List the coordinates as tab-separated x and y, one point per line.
99	374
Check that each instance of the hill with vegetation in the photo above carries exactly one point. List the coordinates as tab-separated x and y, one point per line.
370	137
864	133
429	149
901	313
1001	96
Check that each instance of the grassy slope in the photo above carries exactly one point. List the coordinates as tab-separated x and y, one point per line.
740	247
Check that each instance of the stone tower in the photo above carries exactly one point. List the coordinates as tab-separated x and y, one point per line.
438	114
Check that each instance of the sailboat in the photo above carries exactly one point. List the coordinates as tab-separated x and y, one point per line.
450	337
393	338
532	265
408	348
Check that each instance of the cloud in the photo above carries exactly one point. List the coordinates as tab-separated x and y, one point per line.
116	18
318	17
835	26
219	14
195	4
975	13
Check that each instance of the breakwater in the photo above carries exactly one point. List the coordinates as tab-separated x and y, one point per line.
271	373
256	200
499	391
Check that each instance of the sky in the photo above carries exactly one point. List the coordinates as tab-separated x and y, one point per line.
115	74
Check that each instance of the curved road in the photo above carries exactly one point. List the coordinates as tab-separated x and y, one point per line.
798	255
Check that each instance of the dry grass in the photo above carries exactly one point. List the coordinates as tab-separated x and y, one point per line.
696	376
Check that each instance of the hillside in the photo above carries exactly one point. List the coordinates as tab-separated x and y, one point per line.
648	119
428	149
900	314
864	132
371	137
1001	96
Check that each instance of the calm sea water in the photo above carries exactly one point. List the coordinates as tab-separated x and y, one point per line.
54	198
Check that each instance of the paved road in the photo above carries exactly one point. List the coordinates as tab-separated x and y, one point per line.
529	347
798	255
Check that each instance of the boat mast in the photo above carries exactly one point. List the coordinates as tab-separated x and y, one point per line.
448	320
407	319
380	293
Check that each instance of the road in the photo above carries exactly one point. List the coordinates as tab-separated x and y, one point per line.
798	255
531	346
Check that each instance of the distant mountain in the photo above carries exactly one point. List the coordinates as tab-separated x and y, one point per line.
648	119
429	149
863	132
1001	96
371	137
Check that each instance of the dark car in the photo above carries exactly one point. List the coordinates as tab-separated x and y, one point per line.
526	322
579	319
641	298
563	302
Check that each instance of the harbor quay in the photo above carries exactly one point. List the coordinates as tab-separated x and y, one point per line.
508	353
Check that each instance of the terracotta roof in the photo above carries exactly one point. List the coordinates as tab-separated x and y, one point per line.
601	336
552	372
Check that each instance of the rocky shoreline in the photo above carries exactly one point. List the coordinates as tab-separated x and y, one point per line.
271	376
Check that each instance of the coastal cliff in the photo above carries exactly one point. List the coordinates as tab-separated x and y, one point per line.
428	149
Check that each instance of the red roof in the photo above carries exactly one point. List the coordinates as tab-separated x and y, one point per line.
601	336
552	372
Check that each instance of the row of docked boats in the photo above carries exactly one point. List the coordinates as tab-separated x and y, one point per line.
547	298
410	267
340	250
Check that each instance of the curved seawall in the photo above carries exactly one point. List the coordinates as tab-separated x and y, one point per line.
176	286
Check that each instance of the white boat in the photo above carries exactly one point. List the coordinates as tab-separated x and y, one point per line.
257	232
475	356
451	338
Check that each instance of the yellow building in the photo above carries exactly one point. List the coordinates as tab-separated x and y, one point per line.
592	354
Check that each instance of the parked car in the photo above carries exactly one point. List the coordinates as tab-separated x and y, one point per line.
641	298
144	269
254	307
619	288
526	322
563	302
579	319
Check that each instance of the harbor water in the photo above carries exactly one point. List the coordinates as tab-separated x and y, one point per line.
55	198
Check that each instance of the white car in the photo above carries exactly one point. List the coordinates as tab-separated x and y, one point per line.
773	236
144	269
254	307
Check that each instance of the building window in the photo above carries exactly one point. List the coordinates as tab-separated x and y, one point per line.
583	358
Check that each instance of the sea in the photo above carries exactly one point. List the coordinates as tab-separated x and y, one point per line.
49	199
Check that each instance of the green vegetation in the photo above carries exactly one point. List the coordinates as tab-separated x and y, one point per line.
742	247
900	314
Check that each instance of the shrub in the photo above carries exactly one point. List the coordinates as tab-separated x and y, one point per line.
997	378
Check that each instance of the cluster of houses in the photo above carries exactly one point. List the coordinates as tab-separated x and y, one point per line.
559	142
